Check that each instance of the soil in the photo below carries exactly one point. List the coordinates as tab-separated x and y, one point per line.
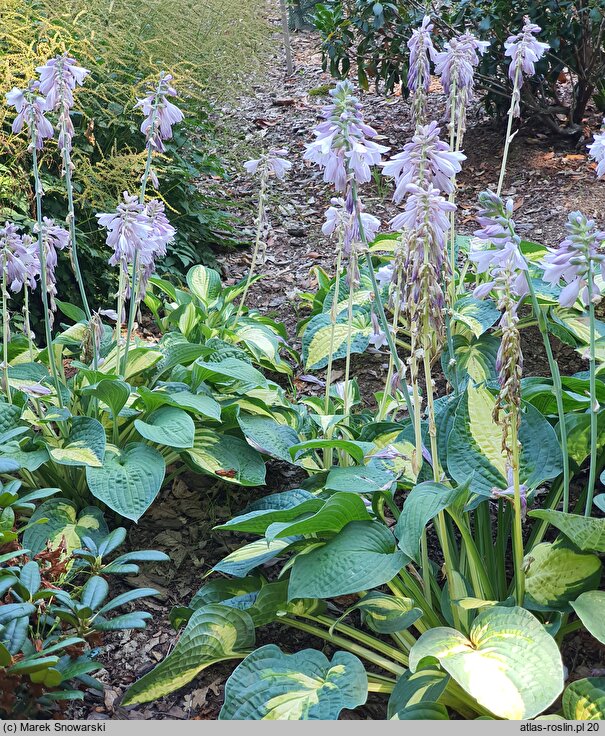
548	178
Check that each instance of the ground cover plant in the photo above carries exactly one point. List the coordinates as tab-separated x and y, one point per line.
444	544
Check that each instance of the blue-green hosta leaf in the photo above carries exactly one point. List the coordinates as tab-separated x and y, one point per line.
129	480
63	520
29	459
283	500
475	444
320	335
85	445
205	283
426	684
509	664
257	522
226	457
422	504
168	426
334	515
268	436
357	450
9	417
587	533
584	700
272	602
478	315
556	574
385	614
225	589
240	376
589	608
360	479
425	711
475	360
246	558
271	685
214	633
113	393
578	435
361	556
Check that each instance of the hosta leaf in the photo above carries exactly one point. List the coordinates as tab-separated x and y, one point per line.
587	533
239	375
85	444
268	436
9	417
63	521
205	283
360	479
357	450
271	685
320	335
578	435
284	500
139	360
229	458
129	480
272	602
475	444
28	459
475	360
422	504
589	608
198	403
509	664
113	393
257	522
167	426
361	556
386	614
425	711
426	684
246	558
334	515
214	633
584	700
478	315
556	574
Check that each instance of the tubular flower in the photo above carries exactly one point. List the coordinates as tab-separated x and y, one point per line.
342	218
269	163
524	51
162	233
343	144
30	107
128	230
58	79
17	258
597	151
577	259
419	70
424	160
160	113
54	238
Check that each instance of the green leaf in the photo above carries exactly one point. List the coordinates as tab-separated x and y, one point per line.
385	614
257	522
198	403
478	315
246	558
214	633
425	685
578	435
425	711
422	504
167	426
270	685
357	450
129	480
268	436
509	664
556	574
360	479
113	393
361	556
475	444
584	700
226	457
475	360
30	577
205	283
9	417
589	608
587	533
320	335
94	592
85	444
241	377
62	520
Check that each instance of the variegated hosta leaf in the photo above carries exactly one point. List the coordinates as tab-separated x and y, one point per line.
139	360
475	444
241	377
214	633
362	295
584	700
257	521
556	574
271	685
320	335
266	435
168	426
477	315
426	684
475	360
263	343
587	533
205	284
590	609
63	520
385	614
85	445
361	556
226	457
425	711
246	558
129	480
509	664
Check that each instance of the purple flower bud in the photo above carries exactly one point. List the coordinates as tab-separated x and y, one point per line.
597	151
524	51
341	218
419	69
268	164
161	114
426	213
54	238
162	233
128	228
30	107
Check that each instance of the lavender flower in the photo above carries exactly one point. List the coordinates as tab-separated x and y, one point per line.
384	275
524	51
597	151
343	144
161	114
30	107
419	69
162	233
342	218
509	492
270	163
424	160
426	213
575	259
58	79
54	238
129	230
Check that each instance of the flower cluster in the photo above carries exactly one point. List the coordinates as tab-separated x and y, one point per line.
576	260
341	217
419	69
58	79
425	160
160	113
524	51
269	164
343	144
54	238
597	151
30	107
19	258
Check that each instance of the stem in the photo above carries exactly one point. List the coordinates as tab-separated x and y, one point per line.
118	333
509	137
5	332
26	324
260	219
333	316
366	639
454	146
43	284
387	385
352	271
594	406
517	519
